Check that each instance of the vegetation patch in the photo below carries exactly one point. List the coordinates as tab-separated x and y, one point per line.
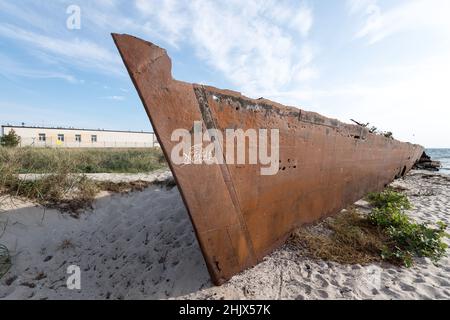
133	186
408	239
347	238
63	191
62	186
385	234
5	260
70	193
45	160
123	187
10	140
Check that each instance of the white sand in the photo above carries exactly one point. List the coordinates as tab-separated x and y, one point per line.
142	246
116	177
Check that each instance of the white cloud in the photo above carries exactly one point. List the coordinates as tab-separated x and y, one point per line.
12	68
259	46
412	15
254	44
303	21
361	6
107	3
74	51
168	17
115	98
410	100
299	18
25	14
409	95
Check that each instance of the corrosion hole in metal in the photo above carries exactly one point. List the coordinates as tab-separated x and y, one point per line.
217	265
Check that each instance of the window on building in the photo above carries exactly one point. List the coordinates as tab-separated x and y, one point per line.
61	137
93	138
78	137
42	137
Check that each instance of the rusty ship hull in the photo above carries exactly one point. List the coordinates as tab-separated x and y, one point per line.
239	216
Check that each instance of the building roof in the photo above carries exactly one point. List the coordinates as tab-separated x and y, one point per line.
74	129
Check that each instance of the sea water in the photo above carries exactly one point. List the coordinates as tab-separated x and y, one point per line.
442	155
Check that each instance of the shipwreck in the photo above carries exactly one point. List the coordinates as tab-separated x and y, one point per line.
240	215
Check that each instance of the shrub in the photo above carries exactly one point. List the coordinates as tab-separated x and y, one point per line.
389	197
407	238
10	140
387	233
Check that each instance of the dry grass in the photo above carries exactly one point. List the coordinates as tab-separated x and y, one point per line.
63	187
66	244
123	187
168	183
385	234
45	160
5	260
133	186
60	190
346	238
69	193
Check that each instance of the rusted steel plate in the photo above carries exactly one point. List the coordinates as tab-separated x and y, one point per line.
240	215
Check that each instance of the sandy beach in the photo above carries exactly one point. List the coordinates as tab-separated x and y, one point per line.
142	245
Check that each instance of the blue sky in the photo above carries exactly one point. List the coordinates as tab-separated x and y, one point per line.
384	62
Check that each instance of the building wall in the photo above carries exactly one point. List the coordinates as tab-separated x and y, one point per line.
105	139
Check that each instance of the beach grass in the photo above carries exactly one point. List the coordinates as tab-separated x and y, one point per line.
387	233
5	260
346	238
64	185
46	160
58	189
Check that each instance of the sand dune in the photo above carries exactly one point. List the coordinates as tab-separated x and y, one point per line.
142	246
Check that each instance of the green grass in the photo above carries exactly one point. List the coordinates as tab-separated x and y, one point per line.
65	185
386	234
46	160
408	239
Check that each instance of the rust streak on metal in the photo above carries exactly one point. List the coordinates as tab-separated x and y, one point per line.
239	215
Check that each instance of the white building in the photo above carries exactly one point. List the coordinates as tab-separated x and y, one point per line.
81	138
